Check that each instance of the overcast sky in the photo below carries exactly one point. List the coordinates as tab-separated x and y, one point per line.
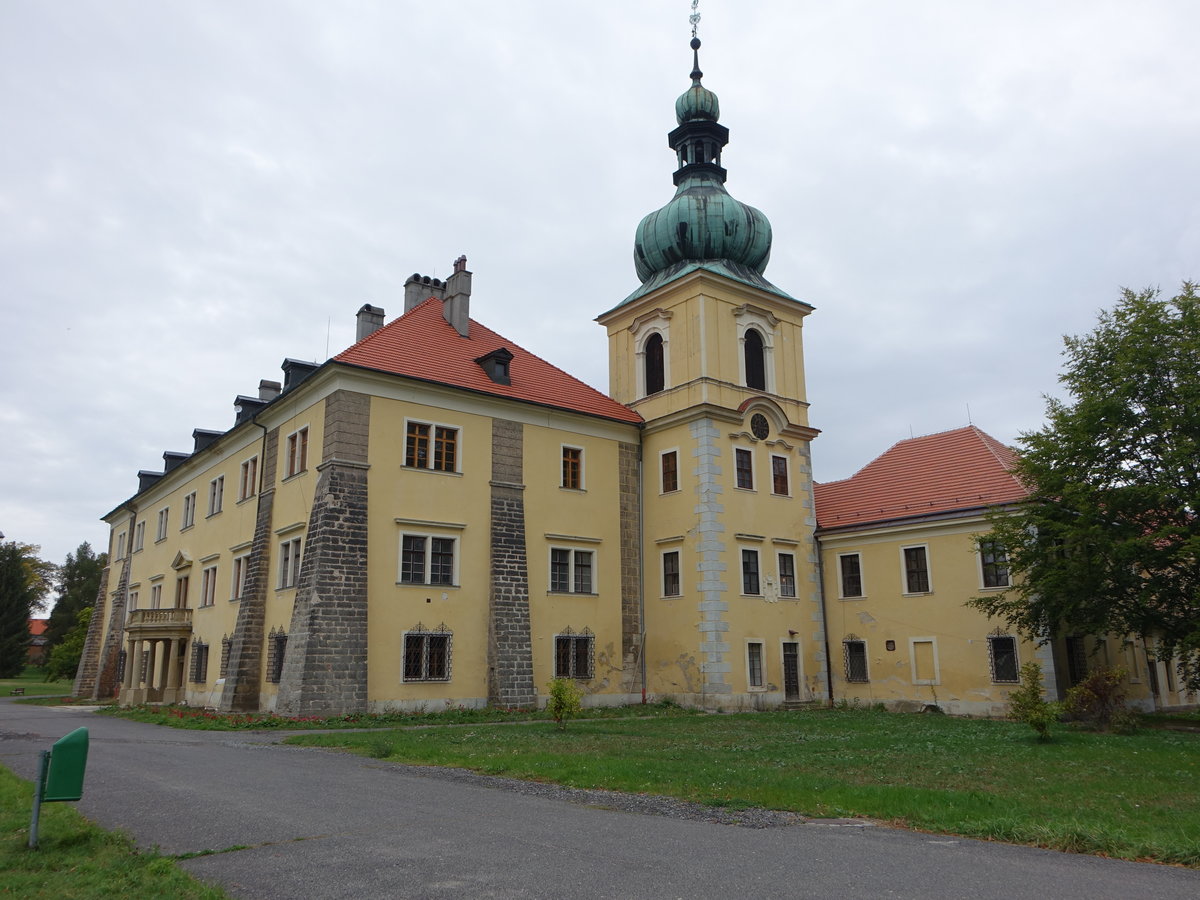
190	192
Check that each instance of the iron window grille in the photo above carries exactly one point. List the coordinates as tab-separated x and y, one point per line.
574	654
854	650
427	654
1002	655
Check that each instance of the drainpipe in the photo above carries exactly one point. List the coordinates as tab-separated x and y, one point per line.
824	620
641	537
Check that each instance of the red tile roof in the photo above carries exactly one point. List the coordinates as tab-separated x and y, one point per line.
421	344
37	627
936	473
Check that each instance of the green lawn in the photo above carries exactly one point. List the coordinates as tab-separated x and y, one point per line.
34	683
76	859
1136	797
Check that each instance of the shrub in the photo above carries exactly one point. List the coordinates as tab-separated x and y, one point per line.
565	701
1026	704
1098	702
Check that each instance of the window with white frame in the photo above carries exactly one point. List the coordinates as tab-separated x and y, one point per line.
780	485
754	665
163	515
156	596
296	452
571	571
993	563
787	575
139	536
916	570
431	446
181	592
120	554
427	654
743	467
654	362
208	585
754	361
850	575
750	572
669	465
427	559
216	495
854	652
289	563
756	335
241	567
248	479
1002	657
189	511
572	467
574	654
133	601
670	571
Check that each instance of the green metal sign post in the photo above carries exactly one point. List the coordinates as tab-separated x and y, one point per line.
60	775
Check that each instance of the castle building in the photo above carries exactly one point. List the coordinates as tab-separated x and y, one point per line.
438	516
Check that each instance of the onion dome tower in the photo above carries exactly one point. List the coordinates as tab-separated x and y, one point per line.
702	225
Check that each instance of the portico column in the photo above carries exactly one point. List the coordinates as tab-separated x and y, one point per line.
131	660
172	667
151	650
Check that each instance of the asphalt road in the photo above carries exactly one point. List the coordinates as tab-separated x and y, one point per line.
318	824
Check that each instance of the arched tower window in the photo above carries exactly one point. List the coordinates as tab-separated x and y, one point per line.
756	370
655	378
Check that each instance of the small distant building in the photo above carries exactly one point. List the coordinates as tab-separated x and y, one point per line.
38	650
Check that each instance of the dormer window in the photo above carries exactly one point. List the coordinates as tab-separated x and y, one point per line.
496	365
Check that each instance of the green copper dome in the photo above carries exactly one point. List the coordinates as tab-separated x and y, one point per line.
702	221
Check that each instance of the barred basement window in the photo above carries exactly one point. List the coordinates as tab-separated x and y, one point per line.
573	654
1002	653
276	650
427	654
122	658
854	650
199	662
226	645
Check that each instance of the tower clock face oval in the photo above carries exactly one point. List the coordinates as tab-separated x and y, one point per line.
759	426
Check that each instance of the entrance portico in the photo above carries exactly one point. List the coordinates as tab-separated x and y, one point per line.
159	639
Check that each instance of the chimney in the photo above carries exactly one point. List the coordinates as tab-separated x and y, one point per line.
269	390
370	320
456	307
419	288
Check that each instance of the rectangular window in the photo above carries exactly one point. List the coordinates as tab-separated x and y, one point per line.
208	586
156	596
572	468
670	471
1077	667
289	563
163	515
743	464
189	511
133	600
750	584
754	664
276	651
425	559
297	453
139	536
241	565
573	656
1002	652
571	571
248	479
441	457
850	570
787	575
916	571
993	559
779	476
120	554
427	656
181	592
670	565
216	495
199	662
855	652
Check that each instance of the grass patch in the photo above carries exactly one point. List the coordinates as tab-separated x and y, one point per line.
207	720
78	859
1135	797
33	682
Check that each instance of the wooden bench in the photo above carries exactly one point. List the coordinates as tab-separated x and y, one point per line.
17	692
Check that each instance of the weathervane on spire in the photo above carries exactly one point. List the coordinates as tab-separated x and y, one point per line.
694	18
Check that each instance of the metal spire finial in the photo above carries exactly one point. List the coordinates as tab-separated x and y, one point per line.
694	18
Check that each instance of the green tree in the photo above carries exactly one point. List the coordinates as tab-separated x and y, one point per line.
22	580
78	581
65	656
1109	542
